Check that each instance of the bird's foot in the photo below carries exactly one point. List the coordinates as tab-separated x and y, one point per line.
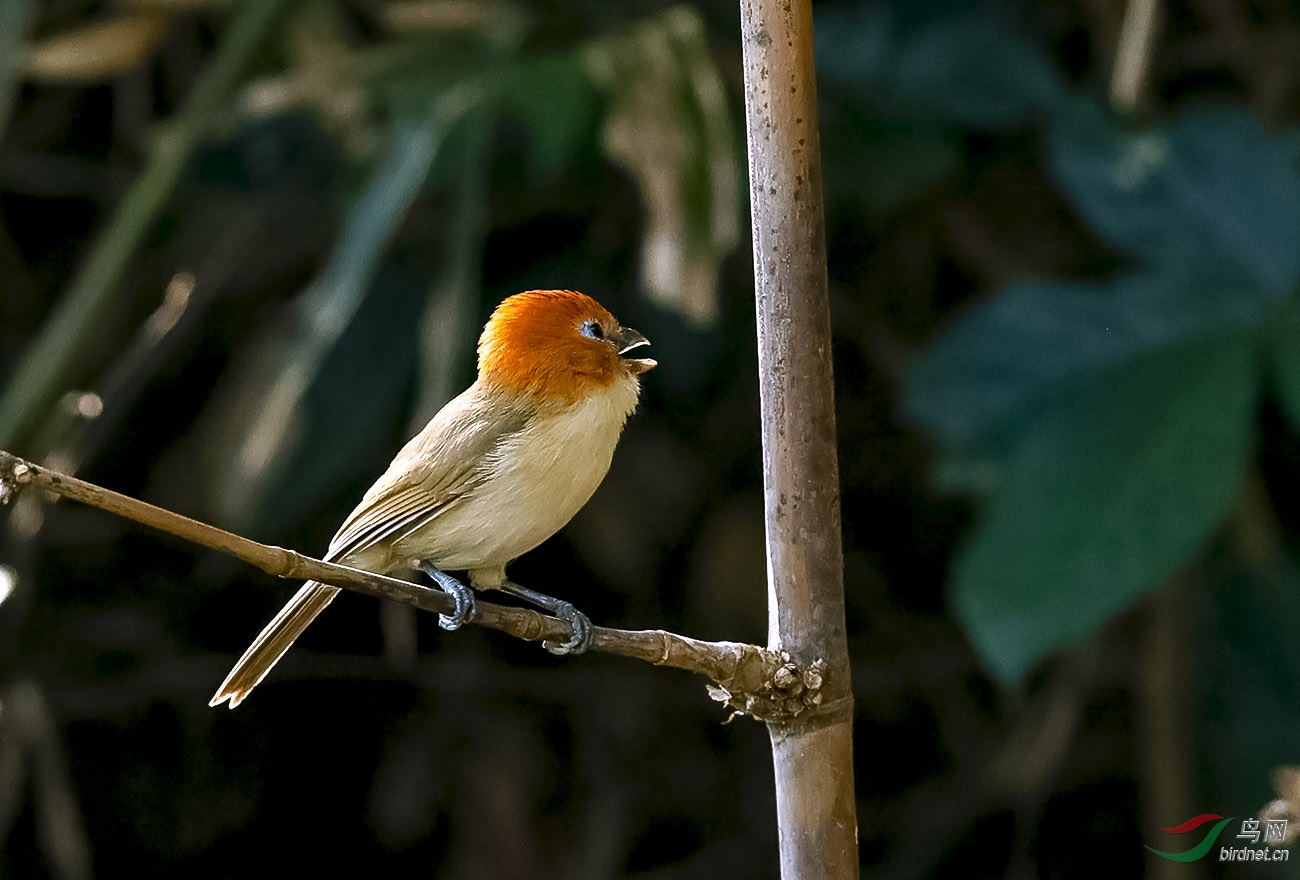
580	641
461	594
577	621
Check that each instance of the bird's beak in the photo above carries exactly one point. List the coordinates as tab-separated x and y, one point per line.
629	339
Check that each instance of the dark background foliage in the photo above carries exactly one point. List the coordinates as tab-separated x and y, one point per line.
246	249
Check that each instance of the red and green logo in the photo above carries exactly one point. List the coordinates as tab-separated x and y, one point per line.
1201	849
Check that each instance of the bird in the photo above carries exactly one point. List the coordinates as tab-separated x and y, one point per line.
498	470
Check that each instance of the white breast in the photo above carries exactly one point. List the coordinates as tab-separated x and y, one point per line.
538	480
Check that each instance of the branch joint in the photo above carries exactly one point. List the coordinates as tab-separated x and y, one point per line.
785	694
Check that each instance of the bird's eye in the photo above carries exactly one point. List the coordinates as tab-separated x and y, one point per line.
593	330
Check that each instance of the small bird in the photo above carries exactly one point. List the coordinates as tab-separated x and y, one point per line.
496	472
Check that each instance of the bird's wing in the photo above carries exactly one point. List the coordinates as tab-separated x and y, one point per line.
431	474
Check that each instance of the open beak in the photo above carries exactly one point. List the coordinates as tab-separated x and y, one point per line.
629	339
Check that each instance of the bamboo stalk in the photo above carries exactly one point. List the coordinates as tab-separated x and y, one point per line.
812	754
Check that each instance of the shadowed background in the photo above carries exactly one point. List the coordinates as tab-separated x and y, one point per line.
246	250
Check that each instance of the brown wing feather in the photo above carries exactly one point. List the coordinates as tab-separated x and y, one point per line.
431	473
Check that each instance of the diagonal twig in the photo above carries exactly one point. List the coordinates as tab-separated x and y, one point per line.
755	681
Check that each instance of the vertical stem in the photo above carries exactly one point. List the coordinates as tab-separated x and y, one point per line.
1164	719
1133	53
812	755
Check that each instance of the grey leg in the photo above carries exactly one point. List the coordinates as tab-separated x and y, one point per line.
463	595
565	611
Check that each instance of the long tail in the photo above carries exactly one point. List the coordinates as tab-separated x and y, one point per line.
273	641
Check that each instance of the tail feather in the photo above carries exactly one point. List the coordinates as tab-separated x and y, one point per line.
273	641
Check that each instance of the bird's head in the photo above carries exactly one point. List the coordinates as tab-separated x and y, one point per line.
558	344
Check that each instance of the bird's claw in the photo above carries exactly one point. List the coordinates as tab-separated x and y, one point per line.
577	621
462	595
581	625
465	610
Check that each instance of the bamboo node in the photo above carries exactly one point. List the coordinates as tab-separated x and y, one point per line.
787	693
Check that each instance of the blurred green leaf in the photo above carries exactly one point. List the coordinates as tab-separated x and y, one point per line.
1284	361
1244	680
880	161
1105	497
1243	184
1213	188
855	43
962	70
406	78
557	102
271	419
897	104
975	73
1001	365
1108	425
363	380
449	323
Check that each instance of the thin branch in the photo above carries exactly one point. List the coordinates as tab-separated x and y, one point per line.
752	680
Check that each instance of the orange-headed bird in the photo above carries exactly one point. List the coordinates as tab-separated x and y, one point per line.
496	472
